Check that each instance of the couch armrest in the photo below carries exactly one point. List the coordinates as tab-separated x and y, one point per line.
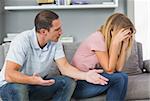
1	56
146	66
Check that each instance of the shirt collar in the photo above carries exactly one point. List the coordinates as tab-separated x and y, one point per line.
35	42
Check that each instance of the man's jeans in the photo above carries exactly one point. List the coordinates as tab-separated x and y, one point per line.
115	89
62	90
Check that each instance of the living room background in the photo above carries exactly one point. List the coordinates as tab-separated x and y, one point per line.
92	18
16	21
142	24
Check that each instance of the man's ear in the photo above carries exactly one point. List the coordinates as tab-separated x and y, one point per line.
43	32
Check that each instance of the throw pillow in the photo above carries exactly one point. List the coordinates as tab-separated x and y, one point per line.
132	66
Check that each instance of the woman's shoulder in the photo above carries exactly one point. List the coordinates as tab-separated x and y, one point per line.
96	35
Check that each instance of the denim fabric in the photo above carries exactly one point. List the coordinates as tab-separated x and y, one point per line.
60	91
115	89
14	92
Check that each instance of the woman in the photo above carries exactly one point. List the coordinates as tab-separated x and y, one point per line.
109	47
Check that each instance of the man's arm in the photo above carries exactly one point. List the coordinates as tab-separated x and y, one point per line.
91	76
13	75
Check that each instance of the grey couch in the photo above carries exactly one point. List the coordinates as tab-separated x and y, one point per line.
138	70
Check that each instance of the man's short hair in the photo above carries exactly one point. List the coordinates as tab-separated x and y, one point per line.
44	20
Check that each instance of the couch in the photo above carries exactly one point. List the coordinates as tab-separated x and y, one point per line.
137	69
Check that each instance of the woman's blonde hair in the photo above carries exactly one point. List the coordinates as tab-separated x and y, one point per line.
117	22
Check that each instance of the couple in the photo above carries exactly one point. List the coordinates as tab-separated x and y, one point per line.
31	53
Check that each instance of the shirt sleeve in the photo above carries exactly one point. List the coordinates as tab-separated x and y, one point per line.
96	42
59	51
17	51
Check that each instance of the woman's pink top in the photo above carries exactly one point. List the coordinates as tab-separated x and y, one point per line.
85	57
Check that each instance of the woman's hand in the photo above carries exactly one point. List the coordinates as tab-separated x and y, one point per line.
126	43
123	53
120	36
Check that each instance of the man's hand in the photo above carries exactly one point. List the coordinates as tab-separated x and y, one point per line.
94	77
39	81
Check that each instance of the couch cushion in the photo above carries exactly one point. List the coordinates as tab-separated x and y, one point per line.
139	86
3	52
6	48
70	49
97	98
54	71
131	66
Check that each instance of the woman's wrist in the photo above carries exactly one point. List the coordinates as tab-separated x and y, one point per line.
124	48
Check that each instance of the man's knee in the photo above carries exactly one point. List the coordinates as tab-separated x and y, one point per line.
65	82
69	82
16	92
66	86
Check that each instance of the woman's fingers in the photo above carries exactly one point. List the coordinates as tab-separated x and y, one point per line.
124	34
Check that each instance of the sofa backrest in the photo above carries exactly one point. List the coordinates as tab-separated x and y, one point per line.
140	54
70	48
1	56
3	52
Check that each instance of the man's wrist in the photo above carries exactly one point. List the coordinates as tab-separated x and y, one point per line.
32	80
84	77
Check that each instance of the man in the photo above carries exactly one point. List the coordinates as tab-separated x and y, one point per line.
29	60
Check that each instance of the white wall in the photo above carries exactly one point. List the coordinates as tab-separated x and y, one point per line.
142	24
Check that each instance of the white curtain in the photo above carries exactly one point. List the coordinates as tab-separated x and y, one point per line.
142	24
148	34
